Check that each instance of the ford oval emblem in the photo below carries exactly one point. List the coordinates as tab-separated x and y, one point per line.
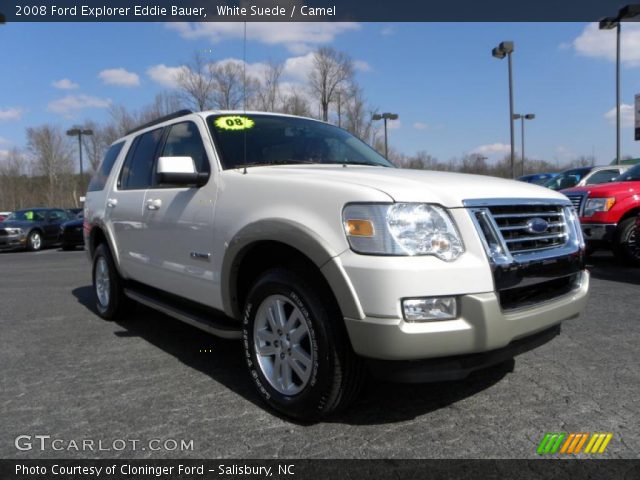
537	225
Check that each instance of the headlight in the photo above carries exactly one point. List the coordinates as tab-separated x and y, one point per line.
13	231
598	205
402	229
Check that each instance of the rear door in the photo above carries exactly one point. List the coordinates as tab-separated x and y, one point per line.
179	220
124	204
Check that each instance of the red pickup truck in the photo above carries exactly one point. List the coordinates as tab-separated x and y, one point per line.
608	214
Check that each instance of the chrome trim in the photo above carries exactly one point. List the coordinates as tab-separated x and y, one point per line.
501	256
502	202
539	237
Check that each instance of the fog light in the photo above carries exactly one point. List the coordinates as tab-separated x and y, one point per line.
432	308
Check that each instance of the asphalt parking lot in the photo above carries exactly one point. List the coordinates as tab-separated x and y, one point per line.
71	375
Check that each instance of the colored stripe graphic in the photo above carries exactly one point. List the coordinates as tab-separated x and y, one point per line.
572	443
550	443
598	443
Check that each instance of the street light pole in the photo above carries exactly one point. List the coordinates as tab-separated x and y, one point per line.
505	49
522	118
79	132
610	23
385	117
618	30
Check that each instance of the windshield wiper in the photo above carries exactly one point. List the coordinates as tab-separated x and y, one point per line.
278	162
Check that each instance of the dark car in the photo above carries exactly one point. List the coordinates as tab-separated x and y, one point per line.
538	178
568	179
74	211
71	233
32	228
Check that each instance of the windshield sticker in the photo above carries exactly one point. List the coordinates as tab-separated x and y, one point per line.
234	123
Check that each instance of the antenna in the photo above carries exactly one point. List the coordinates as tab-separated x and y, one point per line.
244	93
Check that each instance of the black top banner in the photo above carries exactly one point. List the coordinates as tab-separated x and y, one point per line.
309	10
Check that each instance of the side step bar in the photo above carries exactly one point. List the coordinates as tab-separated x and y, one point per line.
193	318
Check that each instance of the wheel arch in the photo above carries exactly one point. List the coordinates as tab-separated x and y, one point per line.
98	235
271	243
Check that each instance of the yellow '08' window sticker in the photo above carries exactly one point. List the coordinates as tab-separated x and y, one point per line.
234	122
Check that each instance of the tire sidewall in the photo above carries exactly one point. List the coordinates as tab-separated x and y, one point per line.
313	398
622	245
108	311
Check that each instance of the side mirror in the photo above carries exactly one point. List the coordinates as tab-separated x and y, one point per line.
179	171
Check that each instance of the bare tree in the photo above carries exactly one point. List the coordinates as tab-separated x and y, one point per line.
14	191
268	91
358	115
228	78
295	104
331	70
94	145
197	84
52	158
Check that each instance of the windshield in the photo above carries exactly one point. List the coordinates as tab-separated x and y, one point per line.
567	179
251	140
631	175
26	216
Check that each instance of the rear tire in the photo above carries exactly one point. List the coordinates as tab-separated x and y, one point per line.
296	347
111	301
626	245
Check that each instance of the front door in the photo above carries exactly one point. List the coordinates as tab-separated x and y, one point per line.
179	220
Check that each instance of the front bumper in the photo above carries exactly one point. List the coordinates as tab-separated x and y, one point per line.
456	367
482	326
12	242
598	232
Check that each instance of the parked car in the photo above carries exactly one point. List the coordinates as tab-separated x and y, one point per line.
74	211
603	174
32	228
71	235
538	178
568	178
323	258
4	215
608	214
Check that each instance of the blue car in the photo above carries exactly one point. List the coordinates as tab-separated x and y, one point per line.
538	178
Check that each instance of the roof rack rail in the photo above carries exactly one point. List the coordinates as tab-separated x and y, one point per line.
171	116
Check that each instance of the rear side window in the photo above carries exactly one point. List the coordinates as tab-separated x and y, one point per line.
603	176
56	215
138	167
184	140
102	174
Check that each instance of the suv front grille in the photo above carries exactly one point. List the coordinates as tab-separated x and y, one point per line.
3	232
529	228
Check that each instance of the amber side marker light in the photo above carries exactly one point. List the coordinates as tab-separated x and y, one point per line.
359	228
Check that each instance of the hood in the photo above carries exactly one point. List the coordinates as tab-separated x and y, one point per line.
404	185
608	189
17	224
73	223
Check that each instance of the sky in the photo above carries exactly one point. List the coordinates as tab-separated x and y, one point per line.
450	94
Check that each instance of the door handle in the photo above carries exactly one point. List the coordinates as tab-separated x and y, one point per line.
112	202
154	204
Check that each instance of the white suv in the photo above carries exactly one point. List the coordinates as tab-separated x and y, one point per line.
328	262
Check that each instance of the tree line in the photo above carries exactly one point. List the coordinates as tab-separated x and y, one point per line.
44	172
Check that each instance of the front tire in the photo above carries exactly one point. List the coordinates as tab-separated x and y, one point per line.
626	245
107	285
296	347
34	241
